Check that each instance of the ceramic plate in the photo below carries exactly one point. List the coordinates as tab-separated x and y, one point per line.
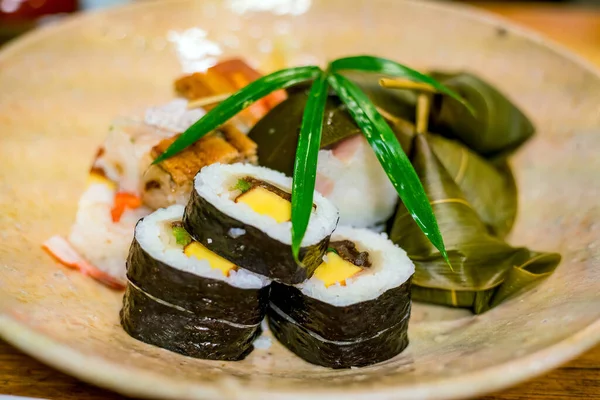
62	85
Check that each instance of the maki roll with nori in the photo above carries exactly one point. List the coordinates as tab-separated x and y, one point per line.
182	297
243	213
354	311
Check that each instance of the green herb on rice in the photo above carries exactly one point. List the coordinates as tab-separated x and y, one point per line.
242	185
182	238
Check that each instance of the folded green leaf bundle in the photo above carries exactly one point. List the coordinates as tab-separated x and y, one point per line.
243	213
462	165
182	297
496	129
485	269
354	311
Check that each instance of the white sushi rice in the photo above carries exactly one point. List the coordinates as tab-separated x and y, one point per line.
390	268
153	236
262	343
214	183
357	185
104	243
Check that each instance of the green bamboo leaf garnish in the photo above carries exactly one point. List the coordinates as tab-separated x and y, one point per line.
392	68
378	133
305	167
391	156
237	102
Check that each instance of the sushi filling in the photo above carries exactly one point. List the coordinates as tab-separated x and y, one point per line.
264	198
348	283
342	261
260	197
249	183
163	237
191	248
195	249
239	212
348	251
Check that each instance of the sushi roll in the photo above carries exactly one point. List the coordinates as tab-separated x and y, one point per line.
242	212
354	311
182	297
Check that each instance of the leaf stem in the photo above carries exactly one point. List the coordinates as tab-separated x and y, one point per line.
398	83
423	109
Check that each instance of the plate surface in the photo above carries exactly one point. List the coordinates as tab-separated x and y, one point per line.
62	85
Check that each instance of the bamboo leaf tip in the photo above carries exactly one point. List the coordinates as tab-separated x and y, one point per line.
447	259
469	107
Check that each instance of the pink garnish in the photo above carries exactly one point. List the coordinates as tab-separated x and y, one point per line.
346	149
324	185
59	248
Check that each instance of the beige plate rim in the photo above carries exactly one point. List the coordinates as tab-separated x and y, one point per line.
142	383
149	385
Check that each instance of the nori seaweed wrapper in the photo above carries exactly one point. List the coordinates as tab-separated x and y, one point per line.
203	296
181	331
337	354
254	250
347	323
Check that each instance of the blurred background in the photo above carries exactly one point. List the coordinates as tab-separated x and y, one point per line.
573	23
18	16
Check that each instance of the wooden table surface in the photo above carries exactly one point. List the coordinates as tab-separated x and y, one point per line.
576	28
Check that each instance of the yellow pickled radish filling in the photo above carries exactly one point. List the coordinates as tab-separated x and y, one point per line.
195	249
335	270
265	202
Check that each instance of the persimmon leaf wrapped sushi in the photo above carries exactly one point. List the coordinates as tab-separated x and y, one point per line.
242	212
354	311
348	172
497	128
182	297
486	269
